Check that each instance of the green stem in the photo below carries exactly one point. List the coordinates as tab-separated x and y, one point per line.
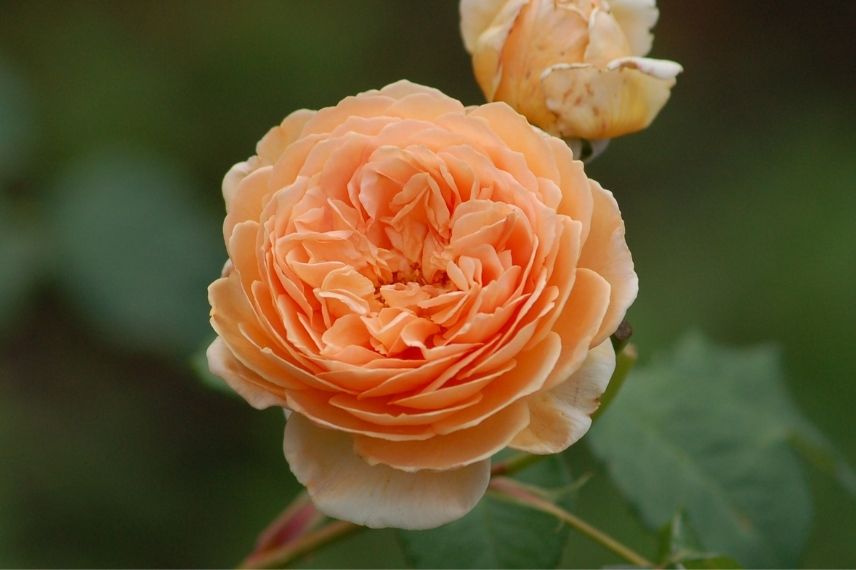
624	362
291	551
519	494
517	463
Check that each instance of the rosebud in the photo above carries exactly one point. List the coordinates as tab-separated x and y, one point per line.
573	67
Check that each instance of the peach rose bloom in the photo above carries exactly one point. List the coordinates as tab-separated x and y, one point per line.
575	68
420	284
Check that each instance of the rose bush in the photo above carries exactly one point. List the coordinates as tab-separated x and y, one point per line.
421	284
573	67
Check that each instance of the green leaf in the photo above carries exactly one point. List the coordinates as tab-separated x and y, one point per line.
16	122
20	263
497	533
680	548
711	562
677	539
133	253
817	450
707	429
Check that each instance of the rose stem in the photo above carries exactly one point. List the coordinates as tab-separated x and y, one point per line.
298	519
519	494
517	463
624	362
291	551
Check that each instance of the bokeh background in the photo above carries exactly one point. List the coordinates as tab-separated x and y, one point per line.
117	123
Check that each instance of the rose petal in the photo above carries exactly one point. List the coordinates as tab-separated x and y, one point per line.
527	377
316	405
562	415
258	392
490	43
579	322
476	17
248	199
599	103
606	40
636	18
383	413
344	486
272	145
606	253
234	320
457	449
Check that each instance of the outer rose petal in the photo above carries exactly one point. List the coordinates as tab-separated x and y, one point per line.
403	88
607	253
487	56
234	177
268	149
249	385
602	103
606	40
344	486
476	16
636	18
579	322
272	145
562	415
448	451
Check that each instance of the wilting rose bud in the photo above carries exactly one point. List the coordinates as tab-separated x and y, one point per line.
572	67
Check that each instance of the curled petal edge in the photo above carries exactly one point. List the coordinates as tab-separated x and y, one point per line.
599	103
344	486
562	415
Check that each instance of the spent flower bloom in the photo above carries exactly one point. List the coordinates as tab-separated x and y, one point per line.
575	68
420	285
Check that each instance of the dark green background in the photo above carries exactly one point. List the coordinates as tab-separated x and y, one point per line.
117	123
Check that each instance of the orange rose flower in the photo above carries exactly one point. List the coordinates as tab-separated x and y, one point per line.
421	284
575	68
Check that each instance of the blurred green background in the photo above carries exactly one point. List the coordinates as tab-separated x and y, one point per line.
117	123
